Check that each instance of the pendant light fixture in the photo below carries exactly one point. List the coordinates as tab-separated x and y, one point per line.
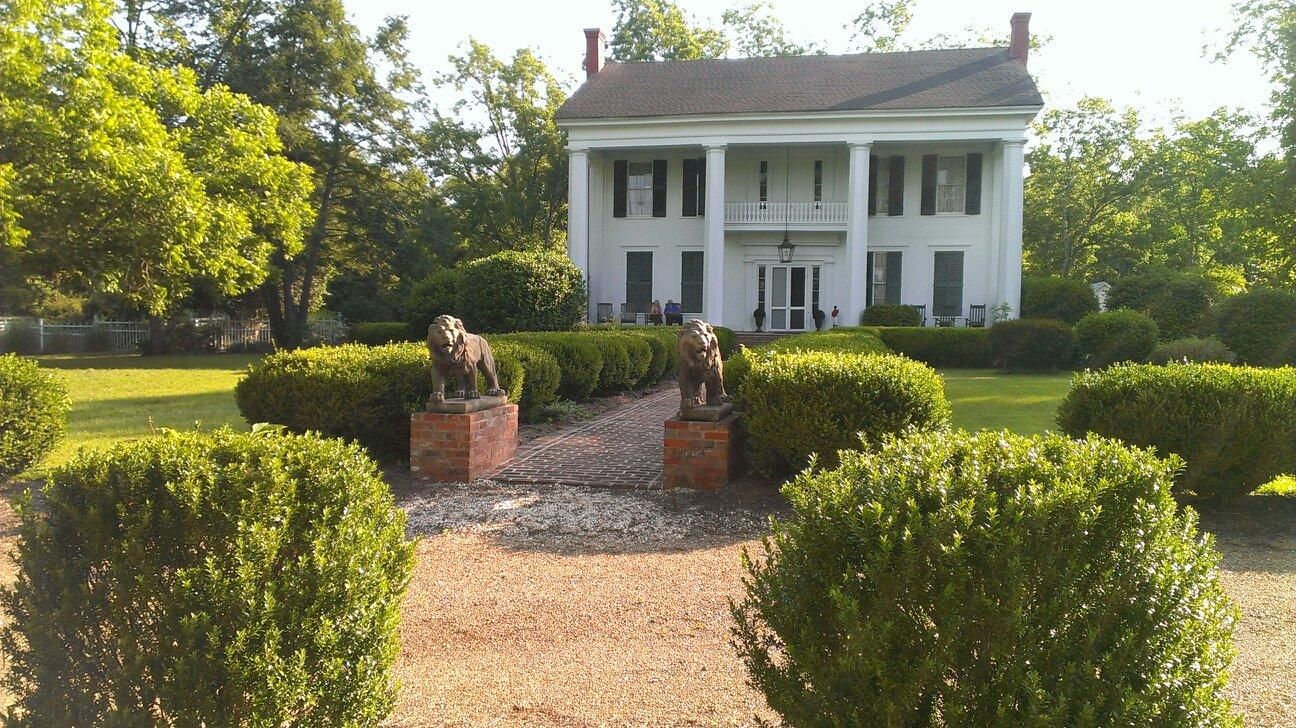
786	247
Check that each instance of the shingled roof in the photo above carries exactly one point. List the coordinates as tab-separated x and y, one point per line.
944	79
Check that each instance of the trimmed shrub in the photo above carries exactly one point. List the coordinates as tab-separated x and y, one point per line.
521	291
20	338
1259	325
890	314
956	579
1198	351
799	404
640	354
431	297
616	374
361	393
34	410
1043	345
377	333
940	347
216	579
727	340
1109	337
1179	303
1235	427
580	362
1064	299
849	341
540	375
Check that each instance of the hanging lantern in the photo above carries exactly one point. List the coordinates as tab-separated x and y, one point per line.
785	249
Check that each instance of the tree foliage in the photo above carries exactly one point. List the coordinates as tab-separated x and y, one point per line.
125	178
659	30
755	31
500	153
881	24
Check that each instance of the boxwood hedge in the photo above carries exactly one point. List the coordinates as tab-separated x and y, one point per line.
215	579
34	410
802	403
849	341
939	347
1235	427
376	333
1115	336
966	580
1044	345
1259	326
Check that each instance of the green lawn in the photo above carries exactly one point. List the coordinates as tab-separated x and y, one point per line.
121	396
989	399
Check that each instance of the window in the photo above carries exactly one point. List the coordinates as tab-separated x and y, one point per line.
818	180
639	189
883	194
951	184
884	273
764	182
760	286
947	290
694	203
814	288
691	281
639	280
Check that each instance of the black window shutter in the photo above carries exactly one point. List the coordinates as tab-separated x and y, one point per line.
701	186
928	185
895	198
872	185
972	203
659	188
893	277
947	298
619	173
868	280
689	208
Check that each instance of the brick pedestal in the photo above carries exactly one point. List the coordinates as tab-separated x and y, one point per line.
702	454
460	448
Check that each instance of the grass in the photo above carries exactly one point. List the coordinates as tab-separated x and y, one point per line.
118	397
990	399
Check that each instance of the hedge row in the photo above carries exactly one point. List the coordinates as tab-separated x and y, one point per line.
843	340
34	410
1234	426
367	393
939	347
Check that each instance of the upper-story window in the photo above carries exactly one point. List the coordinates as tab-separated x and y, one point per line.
883	195
818	180
639	189
951	184
764	181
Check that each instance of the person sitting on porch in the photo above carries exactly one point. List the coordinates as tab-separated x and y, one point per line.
674	313
655	313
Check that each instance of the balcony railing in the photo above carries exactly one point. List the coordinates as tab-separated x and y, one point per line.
777	213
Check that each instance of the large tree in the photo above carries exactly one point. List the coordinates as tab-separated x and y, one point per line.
755	31
500	153
343	101
659	30
1084	173
880	25
121	178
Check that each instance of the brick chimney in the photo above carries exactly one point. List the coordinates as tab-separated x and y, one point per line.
1020	36
594	40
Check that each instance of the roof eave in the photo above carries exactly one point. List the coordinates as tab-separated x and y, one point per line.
1030	109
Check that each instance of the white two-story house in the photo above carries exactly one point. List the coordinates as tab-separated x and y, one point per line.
790	184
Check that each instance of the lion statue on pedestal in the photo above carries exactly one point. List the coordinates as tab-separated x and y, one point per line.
700	368
457	354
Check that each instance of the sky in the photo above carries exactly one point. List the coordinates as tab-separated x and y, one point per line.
1143	53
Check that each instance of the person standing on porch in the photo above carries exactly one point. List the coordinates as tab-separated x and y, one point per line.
835	313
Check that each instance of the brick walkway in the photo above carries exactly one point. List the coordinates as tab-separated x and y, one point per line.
618	449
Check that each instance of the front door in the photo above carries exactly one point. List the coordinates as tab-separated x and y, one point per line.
789	309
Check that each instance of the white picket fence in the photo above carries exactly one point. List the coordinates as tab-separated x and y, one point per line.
224	334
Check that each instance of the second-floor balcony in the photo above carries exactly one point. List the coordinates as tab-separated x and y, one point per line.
777	214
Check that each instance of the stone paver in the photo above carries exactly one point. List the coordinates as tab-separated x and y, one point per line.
618	449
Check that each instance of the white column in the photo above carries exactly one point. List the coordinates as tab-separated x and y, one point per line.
1012	197
714	238
578	210
856	234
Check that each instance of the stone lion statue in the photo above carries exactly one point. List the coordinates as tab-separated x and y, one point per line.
457	354
700	367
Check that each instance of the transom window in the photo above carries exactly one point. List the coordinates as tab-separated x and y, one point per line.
818	180
639	189
951	184
764	181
